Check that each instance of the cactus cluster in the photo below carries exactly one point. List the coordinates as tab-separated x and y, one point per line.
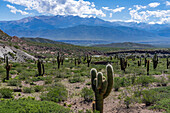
60	60
8	68
41	69
123	63
101	86
155	61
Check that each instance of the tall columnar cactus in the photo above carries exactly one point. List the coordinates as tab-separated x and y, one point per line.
4	58
147	67
123	64
58	60
62	60
79	60
167	63
75	61
8	68
155	61
101	86
41	69
88	60
145	61
139	62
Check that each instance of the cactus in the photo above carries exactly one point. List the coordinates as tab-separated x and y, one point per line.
101	86
75	61
139	62
79	60
147	67
145	61
8	68
58	60
88	60
41	69
62	60
167	63
155	61
123	64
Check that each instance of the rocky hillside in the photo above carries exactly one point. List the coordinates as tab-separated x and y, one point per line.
8	48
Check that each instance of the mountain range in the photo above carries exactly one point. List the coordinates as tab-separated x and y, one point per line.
77	28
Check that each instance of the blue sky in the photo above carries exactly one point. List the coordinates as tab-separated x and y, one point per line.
149	11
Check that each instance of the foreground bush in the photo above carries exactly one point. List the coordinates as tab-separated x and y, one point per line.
31	106
57	94
87	94
6	93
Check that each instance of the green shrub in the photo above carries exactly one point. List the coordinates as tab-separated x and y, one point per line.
38	88
87	94
14	82
76	79
116	83
31	106
28	90
149	97
127	101
6	93
56	93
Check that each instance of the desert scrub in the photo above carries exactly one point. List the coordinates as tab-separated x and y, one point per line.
116	83
38	88
76	79
145	80
28	89
6	93
87	94
24	105
14	82
56	93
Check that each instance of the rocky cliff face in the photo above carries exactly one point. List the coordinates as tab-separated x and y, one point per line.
15	55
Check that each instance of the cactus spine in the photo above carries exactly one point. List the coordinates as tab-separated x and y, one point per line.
8	68
41	69
101	86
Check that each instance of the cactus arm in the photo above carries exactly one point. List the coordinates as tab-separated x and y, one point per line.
93	74
104	86
109	69
99	80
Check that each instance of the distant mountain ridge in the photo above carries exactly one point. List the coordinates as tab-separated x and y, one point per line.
74	27
125	45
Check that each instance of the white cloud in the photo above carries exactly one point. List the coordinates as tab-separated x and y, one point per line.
110	15
154	4
14	10
138	7
61	7
167	3
119	9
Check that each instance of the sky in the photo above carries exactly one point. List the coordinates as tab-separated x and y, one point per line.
148	11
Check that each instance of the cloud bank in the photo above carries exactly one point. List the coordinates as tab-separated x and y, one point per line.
14	10
60	7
